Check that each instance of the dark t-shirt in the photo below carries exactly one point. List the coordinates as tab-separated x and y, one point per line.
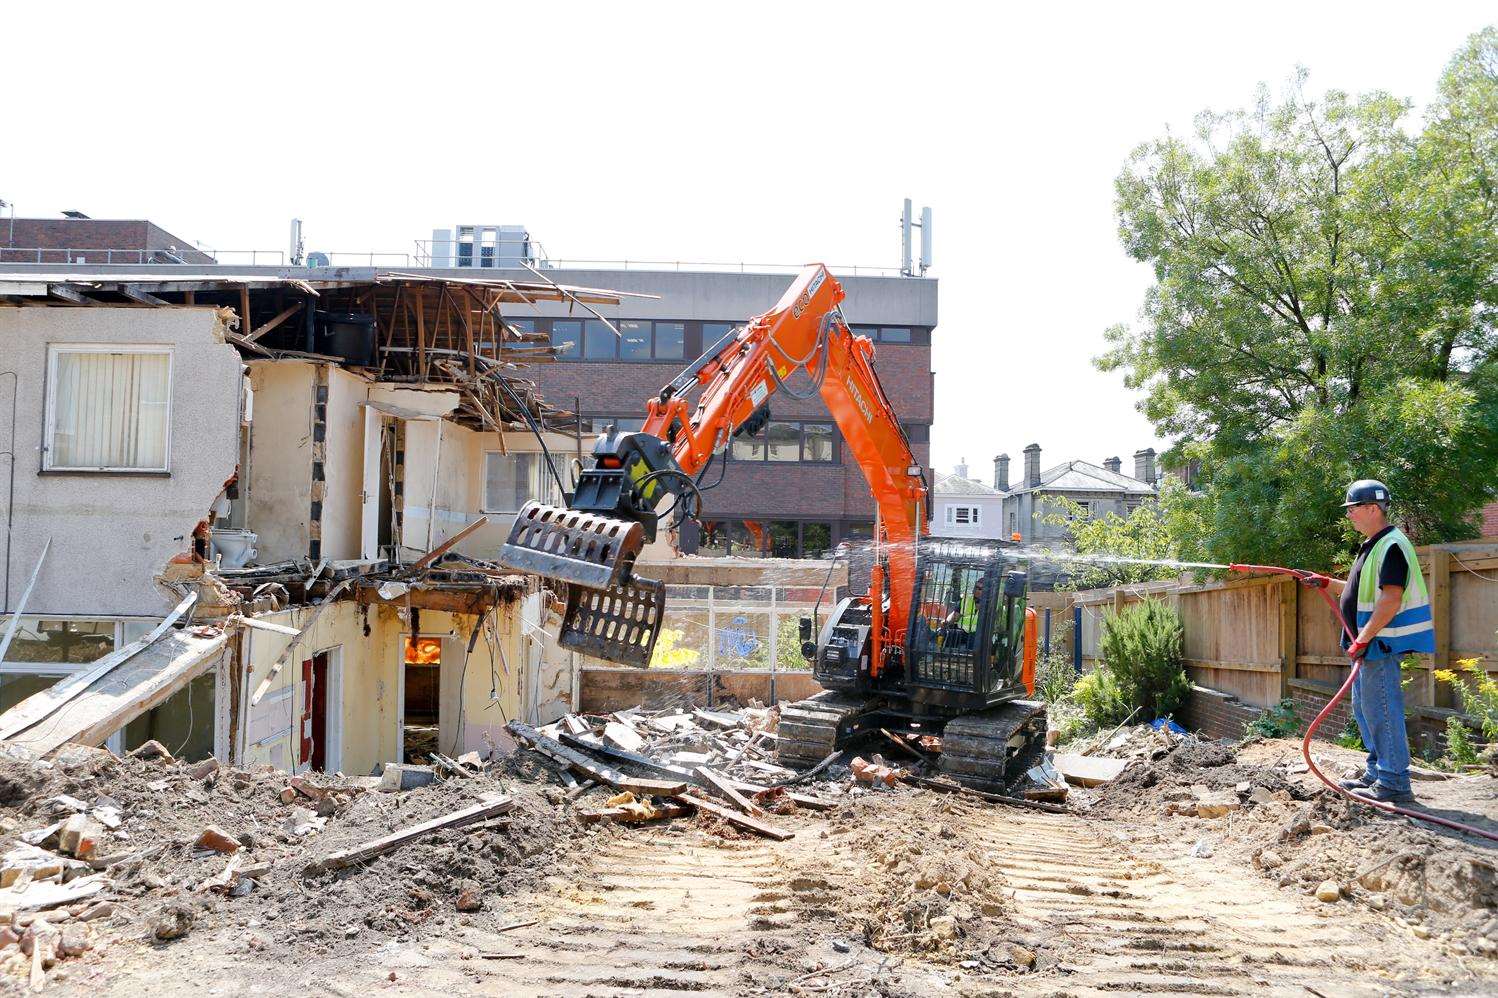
1395	572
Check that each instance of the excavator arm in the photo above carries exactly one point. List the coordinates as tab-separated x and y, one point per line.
613	511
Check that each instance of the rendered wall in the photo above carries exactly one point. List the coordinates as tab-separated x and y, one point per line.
279	499
112	533
343	465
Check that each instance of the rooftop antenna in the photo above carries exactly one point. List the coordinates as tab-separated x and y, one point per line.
908	222
296	242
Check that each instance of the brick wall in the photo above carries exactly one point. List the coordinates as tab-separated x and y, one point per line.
131	237
1215	714
1309	702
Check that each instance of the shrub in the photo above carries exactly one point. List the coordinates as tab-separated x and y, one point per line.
1351	738
1141	647
1278	721
1460	749
1478	692
1100	698
1055	676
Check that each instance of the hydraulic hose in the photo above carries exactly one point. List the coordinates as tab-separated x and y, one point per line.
1357	665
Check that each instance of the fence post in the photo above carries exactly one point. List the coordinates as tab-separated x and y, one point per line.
712	643
774	642
1440	613
1076	638
1289	633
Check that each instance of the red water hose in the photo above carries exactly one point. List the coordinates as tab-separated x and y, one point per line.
1357	665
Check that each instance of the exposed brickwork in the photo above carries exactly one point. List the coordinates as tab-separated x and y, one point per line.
1490	520
1308	704
1216	714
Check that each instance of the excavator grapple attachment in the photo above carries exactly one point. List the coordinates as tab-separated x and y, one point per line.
618	623
581	549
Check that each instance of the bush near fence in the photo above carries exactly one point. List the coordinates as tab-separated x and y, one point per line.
1251	641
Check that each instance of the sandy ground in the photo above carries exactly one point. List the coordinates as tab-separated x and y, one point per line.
895	892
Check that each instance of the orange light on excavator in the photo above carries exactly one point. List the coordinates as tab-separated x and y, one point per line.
1015	537
610	461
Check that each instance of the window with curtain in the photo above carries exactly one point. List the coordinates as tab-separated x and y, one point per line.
511	480
108	409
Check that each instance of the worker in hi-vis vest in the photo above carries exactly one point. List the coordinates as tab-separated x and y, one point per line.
1386	604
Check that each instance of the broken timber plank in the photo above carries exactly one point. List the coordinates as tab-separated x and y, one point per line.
39	706
740	820
726	789
661	811
603	774
487	808
265	625
447	545
15	618
1089	771
952	788
113	700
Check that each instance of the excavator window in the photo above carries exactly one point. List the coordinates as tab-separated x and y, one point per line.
949	620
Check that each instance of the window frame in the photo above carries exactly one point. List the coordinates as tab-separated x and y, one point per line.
544	489
49	417
762	438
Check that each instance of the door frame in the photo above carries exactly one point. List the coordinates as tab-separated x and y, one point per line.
333	722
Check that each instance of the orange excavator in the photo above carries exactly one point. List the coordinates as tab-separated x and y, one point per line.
941	644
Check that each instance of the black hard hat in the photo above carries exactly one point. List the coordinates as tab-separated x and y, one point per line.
1367	490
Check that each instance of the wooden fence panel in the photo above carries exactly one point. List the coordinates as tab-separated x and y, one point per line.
1241	634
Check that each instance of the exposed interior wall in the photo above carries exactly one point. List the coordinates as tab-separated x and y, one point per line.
372	666
343	465
112	533
184	723
279	496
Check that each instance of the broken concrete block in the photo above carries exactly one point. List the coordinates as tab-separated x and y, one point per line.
288	794
692	760
944	927
307	789
399	776
469	899
1268	859
1328	891
622	736
471	760
79	836
215	838
152	750
101	909
204	769
75	940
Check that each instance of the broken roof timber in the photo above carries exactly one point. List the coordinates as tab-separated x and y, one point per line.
119	696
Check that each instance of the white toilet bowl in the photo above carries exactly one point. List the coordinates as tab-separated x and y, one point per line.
234	546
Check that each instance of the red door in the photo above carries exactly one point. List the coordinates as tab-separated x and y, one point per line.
305	754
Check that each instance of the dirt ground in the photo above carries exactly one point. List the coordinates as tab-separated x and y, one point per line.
893	892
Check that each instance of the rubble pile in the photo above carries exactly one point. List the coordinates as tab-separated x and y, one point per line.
95	849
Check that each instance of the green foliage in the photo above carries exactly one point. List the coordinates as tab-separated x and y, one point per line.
1166	528
1460	749
1478	692
1278	721
1069	721
1055	677
1324	306
1141	649
1101	700
1351	738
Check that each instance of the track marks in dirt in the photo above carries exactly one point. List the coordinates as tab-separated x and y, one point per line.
1128	922
658	916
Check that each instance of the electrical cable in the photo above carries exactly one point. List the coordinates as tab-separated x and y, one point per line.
188	737
531	422
1352	675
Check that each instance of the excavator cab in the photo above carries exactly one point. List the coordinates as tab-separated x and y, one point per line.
967	625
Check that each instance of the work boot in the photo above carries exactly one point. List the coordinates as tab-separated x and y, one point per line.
1360	782
1385	795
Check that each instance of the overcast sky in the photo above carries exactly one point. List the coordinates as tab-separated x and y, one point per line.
757	132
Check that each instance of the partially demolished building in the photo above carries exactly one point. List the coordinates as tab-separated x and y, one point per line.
360	440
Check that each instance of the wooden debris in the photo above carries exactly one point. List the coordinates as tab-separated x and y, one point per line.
554	749
39	896
739	820
636	813
447	545
952	788
487	808
624	736
726	789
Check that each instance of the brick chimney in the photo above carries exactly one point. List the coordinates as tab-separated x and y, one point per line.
1001	472
1112	464
1032	466
1144	465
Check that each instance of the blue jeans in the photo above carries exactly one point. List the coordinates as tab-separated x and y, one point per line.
1378	709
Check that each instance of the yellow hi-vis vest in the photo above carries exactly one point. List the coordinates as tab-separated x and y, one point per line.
1411	630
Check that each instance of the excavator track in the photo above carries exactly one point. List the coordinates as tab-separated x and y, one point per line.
811	729
992	749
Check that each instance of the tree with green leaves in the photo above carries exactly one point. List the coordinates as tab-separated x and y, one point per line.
1324	305
1165	528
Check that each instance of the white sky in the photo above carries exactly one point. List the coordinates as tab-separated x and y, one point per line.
759	131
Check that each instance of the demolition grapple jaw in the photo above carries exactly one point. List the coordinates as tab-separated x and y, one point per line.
610	614
573	546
